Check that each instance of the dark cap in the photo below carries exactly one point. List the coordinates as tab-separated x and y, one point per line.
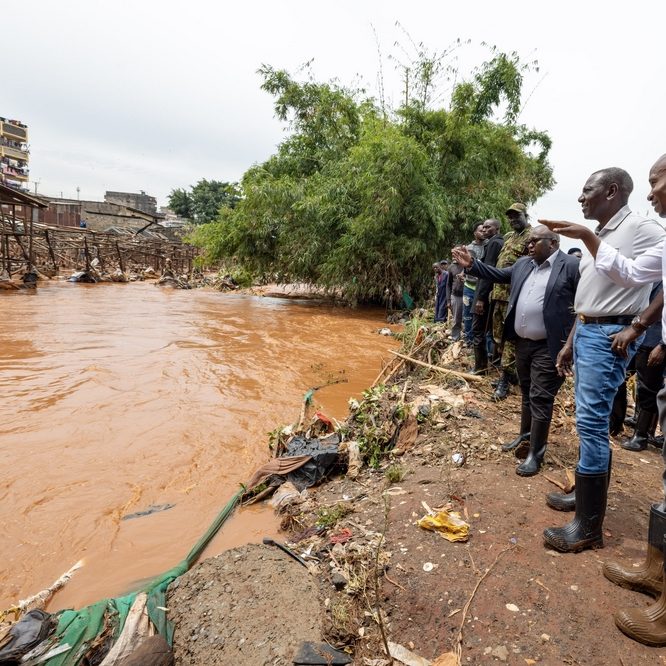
517	207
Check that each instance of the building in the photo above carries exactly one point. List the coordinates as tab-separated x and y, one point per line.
14	154
141	201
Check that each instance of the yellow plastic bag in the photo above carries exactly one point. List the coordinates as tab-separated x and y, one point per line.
448	524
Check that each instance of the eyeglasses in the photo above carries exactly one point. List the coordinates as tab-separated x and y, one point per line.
534	241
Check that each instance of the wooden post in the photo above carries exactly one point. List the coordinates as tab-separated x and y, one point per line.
86	253
121	263
51	252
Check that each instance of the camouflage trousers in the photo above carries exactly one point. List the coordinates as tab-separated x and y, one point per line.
504	349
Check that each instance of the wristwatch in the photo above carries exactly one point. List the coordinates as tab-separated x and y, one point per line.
638	325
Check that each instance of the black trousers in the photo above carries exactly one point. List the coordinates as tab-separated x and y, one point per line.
538	378
650	380
480	326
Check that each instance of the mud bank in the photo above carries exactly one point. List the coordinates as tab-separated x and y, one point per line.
500	596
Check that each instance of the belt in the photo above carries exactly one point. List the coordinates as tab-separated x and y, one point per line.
620	320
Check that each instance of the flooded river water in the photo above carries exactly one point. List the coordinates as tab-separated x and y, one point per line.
118	397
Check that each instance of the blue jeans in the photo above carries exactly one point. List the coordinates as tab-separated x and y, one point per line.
598	374
468	299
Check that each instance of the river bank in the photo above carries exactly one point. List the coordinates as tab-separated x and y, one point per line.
119	398
499	597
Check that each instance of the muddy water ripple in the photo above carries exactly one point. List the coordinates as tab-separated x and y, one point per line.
119	397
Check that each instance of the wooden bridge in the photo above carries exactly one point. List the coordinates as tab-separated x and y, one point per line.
25	243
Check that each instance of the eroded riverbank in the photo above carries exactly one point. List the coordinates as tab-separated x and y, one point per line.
121	397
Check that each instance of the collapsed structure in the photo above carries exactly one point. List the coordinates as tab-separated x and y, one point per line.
52	235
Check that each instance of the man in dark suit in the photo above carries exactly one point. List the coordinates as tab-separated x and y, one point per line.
481	307
539	317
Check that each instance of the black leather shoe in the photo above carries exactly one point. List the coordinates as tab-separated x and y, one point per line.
585	530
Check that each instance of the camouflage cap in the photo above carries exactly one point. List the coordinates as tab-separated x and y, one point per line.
517	207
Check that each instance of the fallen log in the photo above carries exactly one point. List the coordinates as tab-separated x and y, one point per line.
438	368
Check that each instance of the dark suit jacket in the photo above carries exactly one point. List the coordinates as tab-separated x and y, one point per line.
558	309
489	257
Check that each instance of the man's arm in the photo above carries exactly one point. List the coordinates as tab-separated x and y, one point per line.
648	246
649	316
564	359
502	275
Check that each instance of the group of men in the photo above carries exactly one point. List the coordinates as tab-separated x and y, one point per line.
552	312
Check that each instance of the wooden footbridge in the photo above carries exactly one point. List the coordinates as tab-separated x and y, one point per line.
26	244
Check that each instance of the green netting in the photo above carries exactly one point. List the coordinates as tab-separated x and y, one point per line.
81	628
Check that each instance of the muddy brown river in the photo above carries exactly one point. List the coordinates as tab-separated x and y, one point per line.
115	398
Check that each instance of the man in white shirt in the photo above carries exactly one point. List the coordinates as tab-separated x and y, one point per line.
646	625
603	309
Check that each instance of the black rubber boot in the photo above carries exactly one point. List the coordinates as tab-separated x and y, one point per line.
585	530
538	443
567	501
648	576
525	425
631	420
646	424
502	389
480	359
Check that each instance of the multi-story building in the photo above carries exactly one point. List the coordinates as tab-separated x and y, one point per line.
14	154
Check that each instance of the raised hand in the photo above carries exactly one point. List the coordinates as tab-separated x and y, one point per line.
462	256
568	229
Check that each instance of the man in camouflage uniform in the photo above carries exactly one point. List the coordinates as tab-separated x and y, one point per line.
515	246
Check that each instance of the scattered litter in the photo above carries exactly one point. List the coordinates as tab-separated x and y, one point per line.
428	566
405	656
647	462
153	508
458	459
545	638
316	654
448	524
355	461
286	495
342	536
512	607
385	331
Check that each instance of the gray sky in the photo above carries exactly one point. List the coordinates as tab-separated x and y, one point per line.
156	94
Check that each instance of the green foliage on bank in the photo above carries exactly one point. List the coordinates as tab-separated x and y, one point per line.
203	201
362	199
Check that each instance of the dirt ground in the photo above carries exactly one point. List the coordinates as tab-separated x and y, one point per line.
500	597
249	606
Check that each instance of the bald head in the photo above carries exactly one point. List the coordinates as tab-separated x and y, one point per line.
660	165
657	180
543	231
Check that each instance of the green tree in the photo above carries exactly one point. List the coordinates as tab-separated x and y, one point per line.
203	202
180	203
362	200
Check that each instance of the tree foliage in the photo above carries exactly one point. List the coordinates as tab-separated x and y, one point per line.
363	201
204	200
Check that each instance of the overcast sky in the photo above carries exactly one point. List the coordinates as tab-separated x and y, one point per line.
156	94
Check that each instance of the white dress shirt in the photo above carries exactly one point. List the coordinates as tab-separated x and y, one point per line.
529	306
647	268
599	295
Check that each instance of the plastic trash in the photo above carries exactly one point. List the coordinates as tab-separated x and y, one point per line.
448	524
